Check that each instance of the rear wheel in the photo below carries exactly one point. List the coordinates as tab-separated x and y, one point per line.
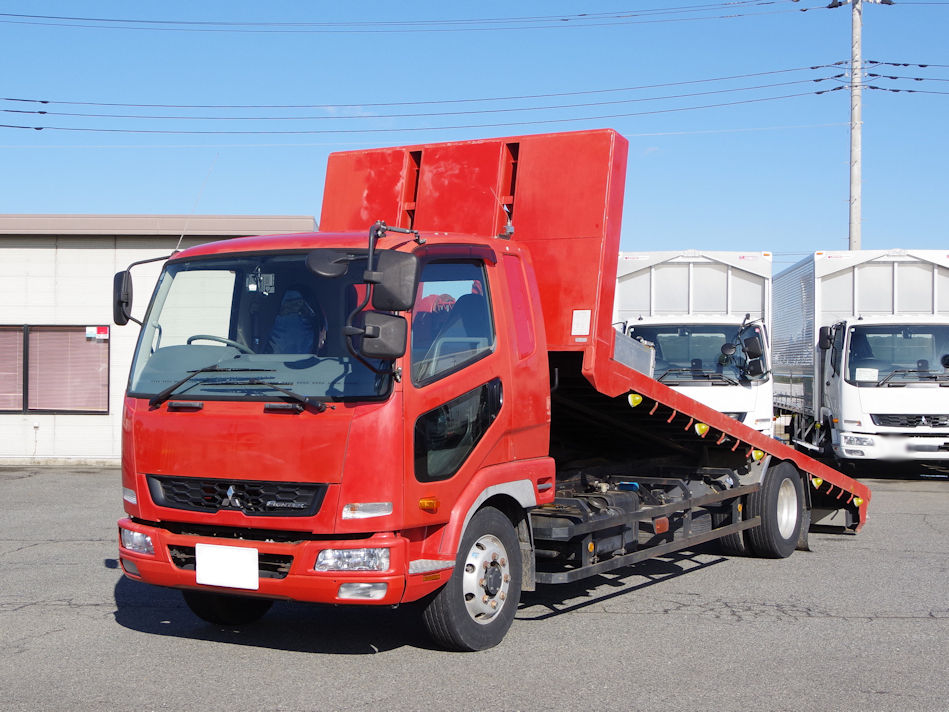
780	504
731	544
475	609
222	609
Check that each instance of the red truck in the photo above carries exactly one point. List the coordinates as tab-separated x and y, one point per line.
440	412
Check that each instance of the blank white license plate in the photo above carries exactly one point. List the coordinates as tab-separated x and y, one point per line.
230	566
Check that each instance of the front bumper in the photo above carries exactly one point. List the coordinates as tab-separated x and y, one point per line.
285	569
891	446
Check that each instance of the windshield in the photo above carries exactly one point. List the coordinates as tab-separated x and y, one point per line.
693	353
897	354
238	324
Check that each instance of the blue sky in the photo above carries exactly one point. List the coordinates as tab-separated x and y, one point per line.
749	171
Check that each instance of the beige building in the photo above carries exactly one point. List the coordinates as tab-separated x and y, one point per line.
63	363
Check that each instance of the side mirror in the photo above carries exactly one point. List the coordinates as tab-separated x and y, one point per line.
384	336
825	338
753	347
122	298
755	369
399	272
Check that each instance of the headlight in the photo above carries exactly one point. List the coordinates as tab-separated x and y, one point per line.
137	542
353	560
856	440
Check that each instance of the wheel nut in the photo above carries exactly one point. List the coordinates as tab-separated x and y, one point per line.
494	604
502	596
507	578
481	583
494	556
503	562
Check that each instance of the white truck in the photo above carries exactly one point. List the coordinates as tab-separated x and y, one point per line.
705	314
861	354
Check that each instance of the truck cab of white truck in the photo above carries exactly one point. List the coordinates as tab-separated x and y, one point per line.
885	392
704	315
861	354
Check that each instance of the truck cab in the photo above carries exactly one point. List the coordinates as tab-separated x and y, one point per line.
704	313
885	388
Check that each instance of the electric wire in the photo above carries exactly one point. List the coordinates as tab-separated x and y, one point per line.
425	102
411	129
414	115
483	25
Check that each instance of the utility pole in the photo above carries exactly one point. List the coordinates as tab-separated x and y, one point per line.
856	119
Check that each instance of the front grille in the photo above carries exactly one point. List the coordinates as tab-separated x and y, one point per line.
911	421
201	494
272	566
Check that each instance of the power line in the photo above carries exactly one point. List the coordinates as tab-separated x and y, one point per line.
410	129
415	115
483	25
425	102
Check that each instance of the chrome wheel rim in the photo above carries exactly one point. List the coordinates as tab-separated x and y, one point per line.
486	580
787	508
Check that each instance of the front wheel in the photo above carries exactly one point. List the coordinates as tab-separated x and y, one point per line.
780	504
222	609
475	609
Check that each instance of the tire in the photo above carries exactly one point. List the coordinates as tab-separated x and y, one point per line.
731	544
475	609
780	504
222	609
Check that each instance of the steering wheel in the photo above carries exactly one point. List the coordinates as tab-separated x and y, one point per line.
229	342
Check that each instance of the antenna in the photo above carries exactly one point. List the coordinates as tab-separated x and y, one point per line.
194	207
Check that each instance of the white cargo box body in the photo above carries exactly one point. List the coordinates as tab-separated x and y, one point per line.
695	283
828	287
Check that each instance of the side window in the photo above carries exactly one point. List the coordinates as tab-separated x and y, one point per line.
451	323
838	347
446	435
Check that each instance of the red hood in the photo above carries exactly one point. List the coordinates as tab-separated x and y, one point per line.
239	440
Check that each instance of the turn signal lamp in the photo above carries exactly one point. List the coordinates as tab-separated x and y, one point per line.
366	510
858	501
757	454
428	504
817	482
634	399
660	525
701	429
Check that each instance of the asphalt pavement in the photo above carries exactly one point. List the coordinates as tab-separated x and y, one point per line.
859	623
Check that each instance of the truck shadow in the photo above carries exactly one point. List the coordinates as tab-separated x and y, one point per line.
288	626
559	599
342	630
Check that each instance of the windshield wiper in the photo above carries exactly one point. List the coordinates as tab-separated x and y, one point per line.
922	375
159	398
306	401
698	376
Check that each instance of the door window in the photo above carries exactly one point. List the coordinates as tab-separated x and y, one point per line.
451	323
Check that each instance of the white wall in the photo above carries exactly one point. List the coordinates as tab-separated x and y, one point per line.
67	281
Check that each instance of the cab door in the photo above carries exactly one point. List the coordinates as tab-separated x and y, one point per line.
457	375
